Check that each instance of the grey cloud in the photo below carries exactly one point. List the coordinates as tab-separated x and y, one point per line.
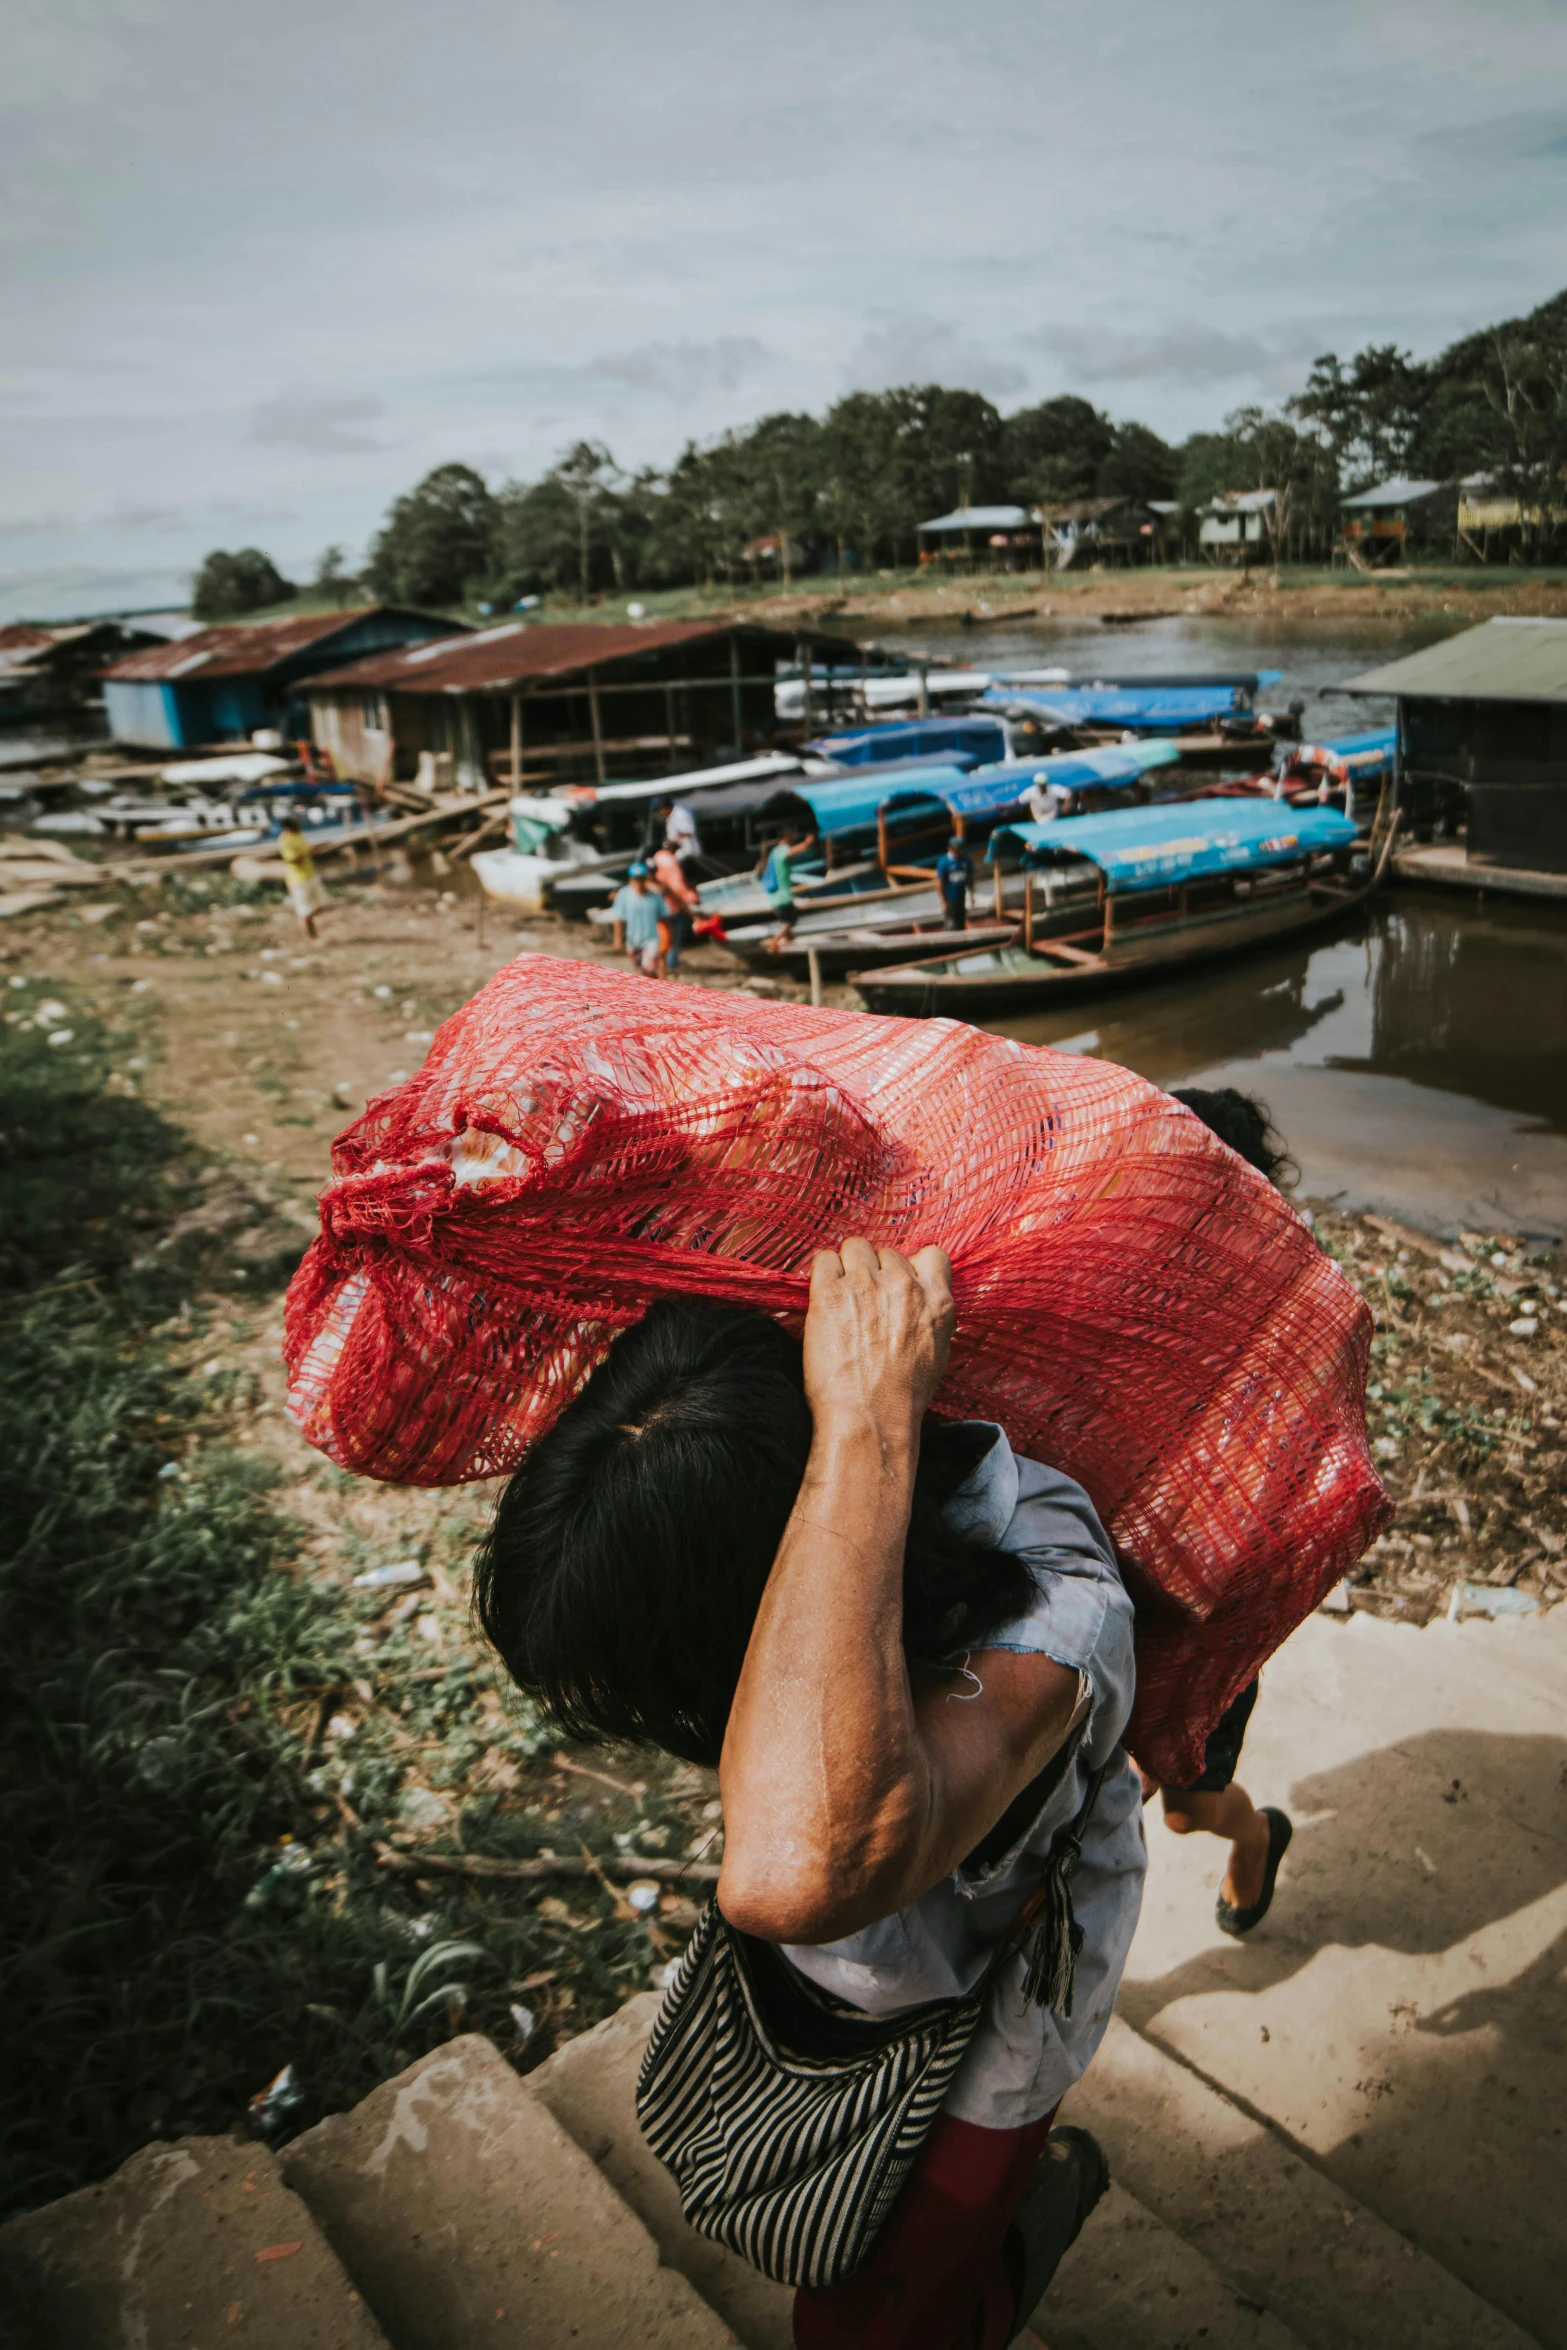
684	370
325	424
918	350
1175	354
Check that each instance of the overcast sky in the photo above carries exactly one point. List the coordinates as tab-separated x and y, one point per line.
265	264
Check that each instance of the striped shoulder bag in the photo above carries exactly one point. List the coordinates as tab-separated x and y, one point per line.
794	2155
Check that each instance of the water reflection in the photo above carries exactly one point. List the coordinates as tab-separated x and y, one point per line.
1416	1061
1466	1000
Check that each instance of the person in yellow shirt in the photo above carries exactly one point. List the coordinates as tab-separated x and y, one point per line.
305	893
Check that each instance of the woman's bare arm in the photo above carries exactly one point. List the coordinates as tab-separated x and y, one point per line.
846	1796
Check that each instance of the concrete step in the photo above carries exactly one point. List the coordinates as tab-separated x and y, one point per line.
1400	2015
187	2246
1285	2235
470	2220
1130	2283
589	2086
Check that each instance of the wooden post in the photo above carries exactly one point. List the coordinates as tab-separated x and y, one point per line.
803	656
598	731
813	959
1028	913
881	840
734	695
1104	948
516	742
924	700
1000	894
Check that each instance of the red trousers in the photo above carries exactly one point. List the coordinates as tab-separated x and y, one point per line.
937	2280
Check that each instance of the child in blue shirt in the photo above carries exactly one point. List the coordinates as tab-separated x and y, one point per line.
636	913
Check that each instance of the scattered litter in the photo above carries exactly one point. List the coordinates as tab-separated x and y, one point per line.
269	2110
526	2022
342	1726
1491	1599
642	1894
64	1036
391	1578
1337	1601
1426	1862
1386	1448
1524	1327
664	1975
421	1807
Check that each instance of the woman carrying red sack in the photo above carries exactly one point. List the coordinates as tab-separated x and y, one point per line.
909	1653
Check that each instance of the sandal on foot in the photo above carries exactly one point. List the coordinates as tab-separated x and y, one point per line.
1071	2175
1240	1921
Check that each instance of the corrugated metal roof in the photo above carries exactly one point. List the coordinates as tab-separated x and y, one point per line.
1500	661
20	636
981	518
1148	848
522	651
236	649
1397	492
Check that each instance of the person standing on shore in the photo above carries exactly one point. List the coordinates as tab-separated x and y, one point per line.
681	905
638	916
955	878
303	883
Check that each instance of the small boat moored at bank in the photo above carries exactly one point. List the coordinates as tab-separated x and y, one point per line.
1113	899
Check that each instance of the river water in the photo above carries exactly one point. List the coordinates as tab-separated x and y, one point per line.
1415	1060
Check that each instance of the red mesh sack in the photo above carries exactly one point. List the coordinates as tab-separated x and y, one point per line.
1135	1304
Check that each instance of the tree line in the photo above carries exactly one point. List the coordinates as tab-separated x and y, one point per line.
849	489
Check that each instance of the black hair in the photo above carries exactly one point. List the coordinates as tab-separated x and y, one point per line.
1246	1124
622	1572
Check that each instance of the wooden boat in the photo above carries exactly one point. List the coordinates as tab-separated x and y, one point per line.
1111	901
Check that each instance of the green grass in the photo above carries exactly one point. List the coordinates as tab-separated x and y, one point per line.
191	1891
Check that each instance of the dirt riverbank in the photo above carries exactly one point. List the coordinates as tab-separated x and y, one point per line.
418	1780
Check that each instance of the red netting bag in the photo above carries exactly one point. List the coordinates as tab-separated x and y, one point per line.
1135	1304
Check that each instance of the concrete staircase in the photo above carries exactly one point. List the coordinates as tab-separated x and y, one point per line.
1345	2134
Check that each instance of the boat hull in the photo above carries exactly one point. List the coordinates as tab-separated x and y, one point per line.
1004	979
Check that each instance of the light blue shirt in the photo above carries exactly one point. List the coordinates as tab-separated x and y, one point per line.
1022	2059
639	910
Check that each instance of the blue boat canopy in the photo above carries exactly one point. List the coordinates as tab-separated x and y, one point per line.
985	738
842	805
1151	848
1156	708
989	791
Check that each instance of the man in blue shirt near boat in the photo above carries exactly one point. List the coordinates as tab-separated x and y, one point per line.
955	878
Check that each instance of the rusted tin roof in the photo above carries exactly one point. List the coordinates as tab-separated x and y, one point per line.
20	636
236	649
521	652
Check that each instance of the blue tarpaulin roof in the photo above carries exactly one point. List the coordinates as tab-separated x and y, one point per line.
1158	708
851	803
990	789
985	737
1149	848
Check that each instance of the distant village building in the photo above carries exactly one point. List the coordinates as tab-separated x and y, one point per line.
1104	530
223	683
991	538
52	671
1397	518
1482	739
541	702
773	556
1234	524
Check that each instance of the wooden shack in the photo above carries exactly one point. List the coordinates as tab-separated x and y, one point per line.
1482	740
538	702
